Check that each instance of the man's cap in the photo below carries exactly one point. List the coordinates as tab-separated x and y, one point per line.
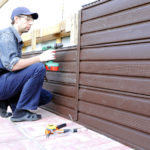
23	11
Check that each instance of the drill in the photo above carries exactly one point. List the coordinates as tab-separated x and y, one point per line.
50	65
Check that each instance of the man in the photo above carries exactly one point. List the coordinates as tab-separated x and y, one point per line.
21	79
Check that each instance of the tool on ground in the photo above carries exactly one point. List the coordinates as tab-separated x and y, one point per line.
50	65
52	129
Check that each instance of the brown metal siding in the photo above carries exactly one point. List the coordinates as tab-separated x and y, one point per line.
114	84
108	7
62	83
104	82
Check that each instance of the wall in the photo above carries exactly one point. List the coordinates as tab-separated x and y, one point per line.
104	82
62	83
114	71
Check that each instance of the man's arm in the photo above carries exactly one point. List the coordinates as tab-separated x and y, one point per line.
10	56
23	63
45	56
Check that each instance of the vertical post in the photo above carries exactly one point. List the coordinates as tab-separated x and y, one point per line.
74	29
78	66
23	49
58	40
33	40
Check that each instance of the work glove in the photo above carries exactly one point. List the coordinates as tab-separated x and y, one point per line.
47	55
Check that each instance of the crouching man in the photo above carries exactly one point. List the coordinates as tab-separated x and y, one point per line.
21	79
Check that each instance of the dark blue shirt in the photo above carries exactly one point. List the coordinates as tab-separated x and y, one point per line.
10	48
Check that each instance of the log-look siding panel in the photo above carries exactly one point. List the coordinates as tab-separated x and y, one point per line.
128	33
62	83
61	77
114	70
128	68
66	90
139	51
131	137
125	84
129	103
117	116
123	18
110	7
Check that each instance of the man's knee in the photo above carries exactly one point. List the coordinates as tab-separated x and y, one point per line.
39	67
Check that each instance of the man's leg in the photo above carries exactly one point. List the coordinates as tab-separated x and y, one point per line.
19	115
13	102
45	97
27	81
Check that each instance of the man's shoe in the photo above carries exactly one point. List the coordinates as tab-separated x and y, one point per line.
25	115
3	110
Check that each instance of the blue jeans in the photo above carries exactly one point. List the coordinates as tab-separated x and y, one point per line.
23	89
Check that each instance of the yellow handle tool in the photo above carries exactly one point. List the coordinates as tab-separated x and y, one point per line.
51	129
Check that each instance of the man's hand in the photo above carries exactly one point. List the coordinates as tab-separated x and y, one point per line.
47	55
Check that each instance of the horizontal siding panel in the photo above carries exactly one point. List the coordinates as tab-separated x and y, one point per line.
64	101
133	32
60	89
110	7
122	102
121	117
67	66
60	110
138	139
128	68
68	48
124	52
30	54
66	55
128	84
61	77
115	20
